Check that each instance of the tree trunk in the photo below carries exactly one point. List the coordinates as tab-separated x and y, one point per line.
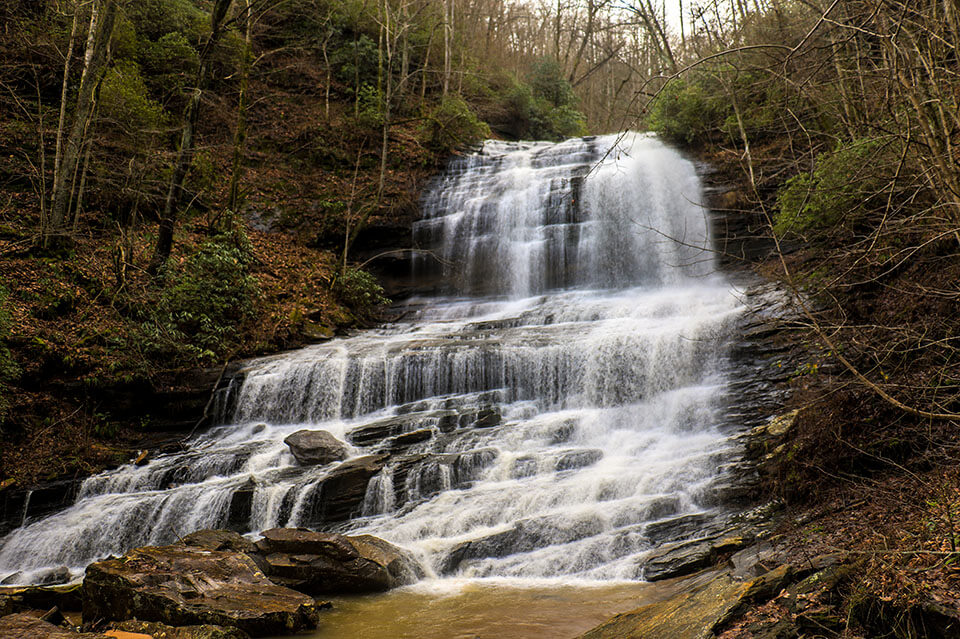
184	159
240	136
62	123
101	27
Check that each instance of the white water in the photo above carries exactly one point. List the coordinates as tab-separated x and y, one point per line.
583	316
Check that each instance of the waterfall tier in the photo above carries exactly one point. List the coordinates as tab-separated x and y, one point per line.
556	413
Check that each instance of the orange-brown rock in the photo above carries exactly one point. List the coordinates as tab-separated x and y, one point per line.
183	586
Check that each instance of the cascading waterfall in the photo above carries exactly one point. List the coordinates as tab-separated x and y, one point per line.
542	418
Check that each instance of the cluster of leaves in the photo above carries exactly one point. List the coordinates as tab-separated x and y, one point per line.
685	112
206	301
698	108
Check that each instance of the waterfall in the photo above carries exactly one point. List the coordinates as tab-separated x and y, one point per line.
541	417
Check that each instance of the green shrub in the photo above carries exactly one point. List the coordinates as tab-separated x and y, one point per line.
685	112
370	107
359	290
206	301
353	59
452	123
548	83
124	101
154	19
841	186
169	63
566	122
544	109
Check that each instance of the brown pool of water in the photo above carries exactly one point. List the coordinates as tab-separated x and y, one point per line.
479	610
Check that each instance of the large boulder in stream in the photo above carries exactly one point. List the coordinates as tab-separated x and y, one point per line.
327	563
182	586
21	598
315	447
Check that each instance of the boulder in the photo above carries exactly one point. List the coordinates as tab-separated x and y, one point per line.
406	440
675	560
313	447
24	626
328	563
159	630
55	577
577	459
685	557
241	507
524	536
182	586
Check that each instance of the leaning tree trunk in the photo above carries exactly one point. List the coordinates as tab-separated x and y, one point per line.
185	152
240	136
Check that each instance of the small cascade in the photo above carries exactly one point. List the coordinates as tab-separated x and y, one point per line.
542	417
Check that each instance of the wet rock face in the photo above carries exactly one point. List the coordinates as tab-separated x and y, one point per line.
24	626
341	493
183	586
692	614
315	447
327	563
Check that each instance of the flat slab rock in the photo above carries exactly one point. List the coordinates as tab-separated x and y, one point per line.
686	557
183	586
701	607
25	626
325	563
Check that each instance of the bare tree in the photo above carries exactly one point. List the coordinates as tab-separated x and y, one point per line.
185	152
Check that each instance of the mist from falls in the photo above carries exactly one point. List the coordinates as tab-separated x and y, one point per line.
564	396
